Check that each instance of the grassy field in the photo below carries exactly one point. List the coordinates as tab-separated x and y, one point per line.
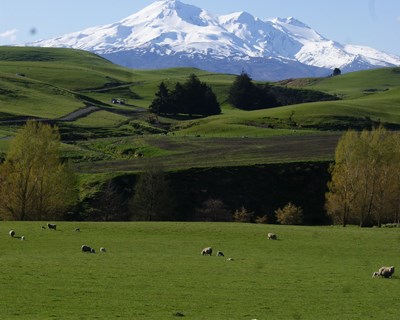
155	270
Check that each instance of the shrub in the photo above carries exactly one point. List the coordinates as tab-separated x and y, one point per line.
262	220
243	215
289	214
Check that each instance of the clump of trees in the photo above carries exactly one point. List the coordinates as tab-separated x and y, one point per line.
246	95
192	98
365	179
34	183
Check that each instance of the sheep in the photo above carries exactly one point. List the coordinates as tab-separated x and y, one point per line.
22	238
272	236
386	272
206	251
77	230
86	248
11	233
52	226
102	249
230	259
220	254
92	250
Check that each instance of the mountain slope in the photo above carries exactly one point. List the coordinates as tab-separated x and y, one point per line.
169	33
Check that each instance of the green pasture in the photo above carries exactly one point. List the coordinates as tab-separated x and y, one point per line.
155	271
184	152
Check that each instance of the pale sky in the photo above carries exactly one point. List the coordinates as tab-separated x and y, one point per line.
374	23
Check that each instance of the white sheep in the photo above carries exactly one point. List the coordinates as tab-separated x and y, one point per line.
11	233
220	254
102	249
230	259
206	251
22	238
272	236
386	272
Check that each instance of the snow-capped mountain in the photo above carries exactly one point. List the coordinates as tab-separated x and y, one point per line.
169	33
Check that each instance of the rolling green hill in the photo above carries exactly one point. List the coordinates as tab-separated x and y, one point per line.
74	89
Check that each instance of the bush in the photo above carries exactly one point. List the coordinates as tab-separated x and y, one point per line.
262	220
243	215
289	214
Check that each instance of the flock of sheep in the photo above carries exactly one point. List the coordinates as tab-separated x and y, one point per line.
52	226
383	272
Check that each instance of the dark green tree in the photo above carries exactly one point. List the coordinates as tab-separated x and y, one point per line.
163	103
245	95
336	72
199	98
241	93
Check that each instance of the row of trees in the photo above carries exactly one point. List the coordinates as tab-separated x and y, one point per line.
365	183
192	97
246	95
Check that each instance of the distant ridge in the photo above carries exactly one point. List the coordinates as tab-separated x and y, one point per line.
170	33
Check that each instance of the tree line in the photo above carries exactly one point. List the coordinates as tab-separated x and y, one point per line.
246	95
194	97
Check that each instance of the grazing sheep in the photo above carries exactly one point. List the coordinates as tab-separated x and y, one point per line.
386	272
77	230
230	259
375	274
22	238
52	226
220	254
86	248
272	236
102	249
206	251
12	233
92	250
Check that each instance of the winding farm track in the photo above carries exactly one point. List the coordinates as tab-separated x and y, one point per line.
78	113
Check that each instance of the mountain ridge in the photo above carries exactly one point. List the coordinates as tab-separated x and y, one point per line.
170	33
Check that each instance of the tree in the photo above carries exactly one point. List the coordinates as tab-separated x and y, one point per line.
34	183
244	94
163	103
213	210
110	204
241	93
289	214
152	199
364	186
344	172
336	72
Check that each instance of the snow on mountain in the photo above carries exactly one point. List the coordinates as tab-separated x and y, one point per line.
169	33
